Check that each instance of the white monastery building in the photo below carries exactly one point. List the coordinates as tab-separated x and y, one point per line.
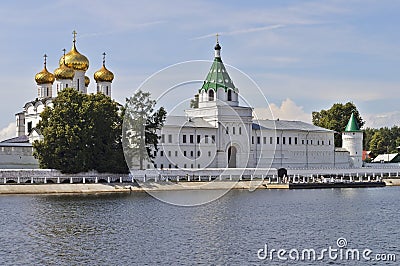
218	133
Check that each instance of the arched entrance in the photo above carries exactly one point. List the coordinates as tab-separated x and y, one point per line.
232	157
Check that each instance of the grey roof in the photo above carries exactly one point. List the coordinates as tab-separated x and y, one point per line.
180	121
287	125
20	139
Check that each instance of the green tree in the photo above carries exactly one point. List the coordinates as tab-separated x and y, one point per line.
336	118
141	124
81	133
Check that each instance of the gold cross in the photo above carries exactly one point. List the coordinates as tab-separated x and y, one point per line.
64	55
74	33
45	59
104	58
217	37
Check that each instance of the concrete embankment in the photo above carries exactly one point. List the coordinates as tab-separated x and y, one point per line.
127	187
392	182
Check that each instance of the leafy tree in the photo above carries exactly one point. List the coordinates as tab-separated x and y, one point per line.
141	124
81	133
336	118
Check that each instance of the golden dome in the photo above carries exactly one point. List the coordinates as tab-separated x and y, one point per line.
103	74
44	76
64	72
75	60
87	81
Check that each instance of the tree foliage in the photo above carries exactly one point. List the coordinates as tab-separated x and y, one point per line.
141	124
336	118
81	133
382	140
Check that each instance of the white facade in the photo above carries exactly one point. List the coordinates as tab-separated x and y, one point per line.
353	142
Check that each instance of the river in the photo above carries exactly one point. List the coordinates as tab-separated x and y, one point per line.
137	229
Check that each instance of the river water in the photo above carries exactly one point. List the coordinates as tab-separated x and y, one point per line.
137	229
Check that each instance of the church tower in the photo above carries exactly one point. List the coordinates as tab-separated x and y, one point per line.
64	76
44	80
104	78
352	139
218	88
79	63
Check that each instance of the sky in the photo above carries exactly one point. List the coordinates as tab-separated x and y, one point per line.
303	55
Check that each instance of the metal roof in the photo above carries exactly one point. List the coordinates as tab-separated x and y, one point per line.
287	125
20	139
180	121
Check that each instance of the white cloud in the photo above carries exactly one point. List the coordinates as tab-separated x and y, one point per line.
8	132
382	120
287	111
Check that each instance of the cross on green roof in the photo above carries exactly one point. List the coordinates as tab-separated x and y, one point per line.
352	125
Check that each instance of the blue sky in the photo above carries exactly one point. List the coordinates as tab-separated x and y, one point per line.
304	55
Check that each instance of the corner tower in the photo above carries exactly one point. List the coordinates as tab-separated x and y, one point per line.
352	139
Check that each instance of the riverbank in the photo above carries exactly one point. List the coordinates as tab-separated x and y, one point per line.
93	188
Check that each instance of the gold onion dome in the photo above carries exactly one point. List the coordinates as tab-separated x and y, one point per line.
87	81
103	74
74	59
44	76
64	72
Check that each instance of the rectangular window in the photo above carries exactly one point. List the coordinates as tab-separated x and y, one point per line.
29	127
307	142
169	166
209	154
155	153
277	140
161	153
162	138
329	143
311	142
318	142
290	140
198	166
270	140
191	153
176	153
252	139
184	138
233	130
295	140
198	138
191	166
227	130
191	139
302	141
258	140
169	153
264	140
162	166
240	130
206	138
213	138
184	166
155	165
169	138
283	140
184	153
198	153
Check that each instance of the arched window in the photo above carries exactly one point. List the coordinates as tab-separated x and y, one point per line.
106	90
78	84
229	95
211	95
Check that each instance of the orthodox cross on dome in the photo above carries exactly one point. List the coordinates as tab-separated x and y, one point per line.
45	59
104	58
64	55
74	33
217	35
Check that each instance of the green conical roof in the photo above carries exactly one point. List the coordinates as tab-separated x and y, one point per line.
218	77
352	125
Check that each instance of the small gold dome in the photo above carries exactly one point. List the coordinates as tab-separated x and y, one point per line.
64	72
87	81
103	74
75	60
44	77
